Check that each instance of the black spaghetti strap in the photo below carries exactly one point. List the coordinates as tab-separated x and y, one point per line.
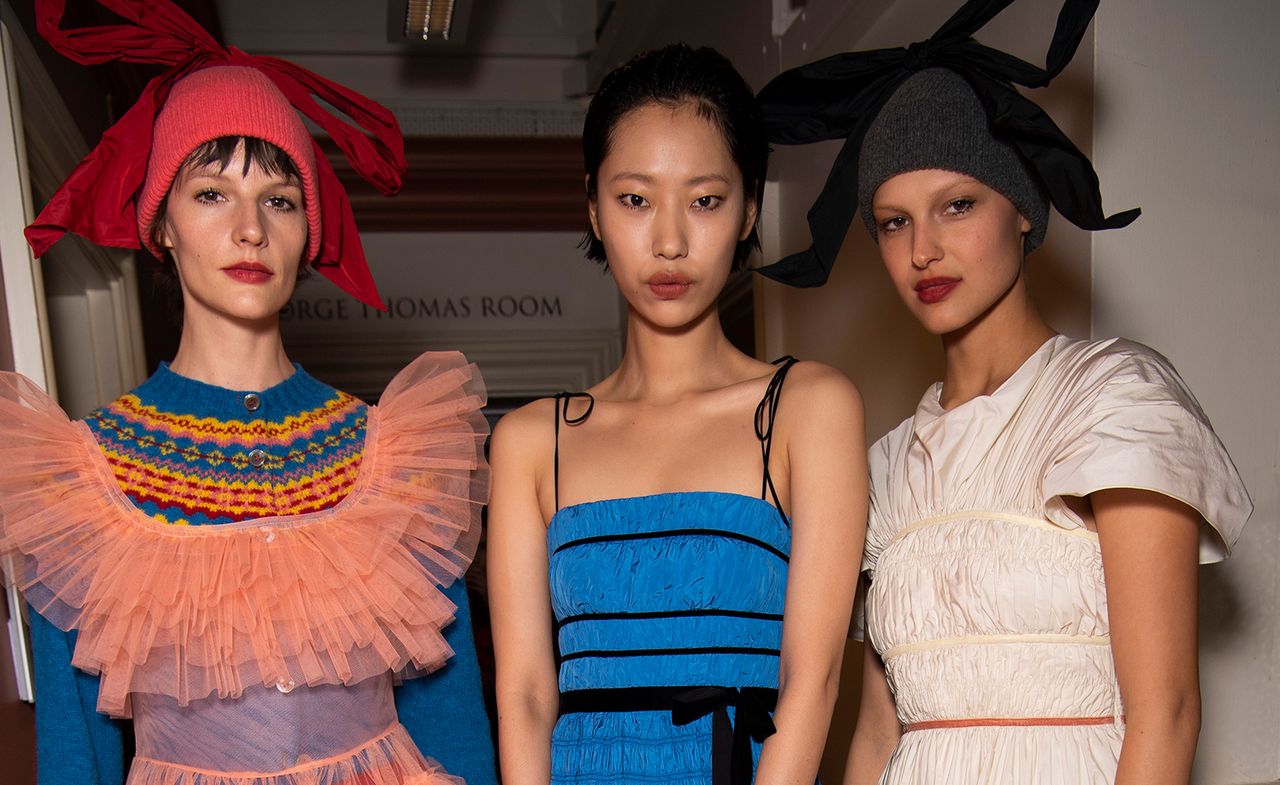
766	411
562	400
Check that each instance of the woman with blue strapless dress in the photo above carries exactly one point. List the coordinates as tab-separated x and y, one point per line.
669	575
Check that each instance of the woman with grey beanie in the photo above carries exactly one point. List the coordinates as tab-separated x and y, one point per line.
1035	527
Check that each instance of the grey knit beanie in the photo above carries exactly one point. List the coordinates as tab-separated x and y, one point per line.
934	120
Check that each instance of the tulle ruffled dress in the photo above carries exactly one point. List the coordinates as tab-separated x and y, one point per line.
988	602
668	615
263	651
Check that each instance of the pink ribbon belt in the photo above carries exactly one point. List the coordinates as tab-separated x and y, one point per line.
1015	722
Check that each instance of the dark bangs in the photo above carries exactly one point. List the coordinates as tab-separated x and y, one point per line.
257	152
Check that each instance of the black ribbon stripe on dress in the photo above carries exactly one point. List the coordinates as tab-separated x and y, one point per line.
839	97
763	651
730	740
722	533
678	614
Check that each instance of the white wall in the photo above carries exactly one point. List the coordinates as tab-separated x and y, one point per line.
1188	127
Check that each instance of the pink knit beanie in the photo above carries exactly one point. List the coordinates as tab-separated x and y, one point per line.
225	101
211	91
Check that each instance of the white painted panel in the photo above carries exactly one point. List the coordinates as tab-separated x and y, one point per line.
133	311
74	359
22	285
1188	127
96	333
108	363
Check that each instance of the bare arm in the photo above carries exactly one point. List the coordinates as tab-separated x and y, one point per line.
828	489
1149	556
520	600
877	732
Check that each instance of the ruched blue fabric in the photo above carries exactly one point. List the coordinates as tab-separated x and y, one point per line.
669	590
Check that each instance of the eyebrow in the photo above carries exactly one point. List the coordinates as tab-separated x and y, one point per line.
701	179
209	171
934	194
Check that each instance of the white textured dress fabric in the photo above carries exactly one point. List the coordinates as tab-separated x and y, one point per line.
987	599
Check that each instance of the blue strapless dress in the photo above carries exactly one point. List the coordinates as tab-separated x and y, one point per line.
666	591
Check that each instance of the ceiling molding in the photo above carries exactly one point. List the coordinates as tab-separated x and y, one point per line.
419	117
528	29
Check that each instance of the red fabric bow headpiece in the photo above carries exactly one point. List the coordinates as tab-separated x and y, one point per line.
98	199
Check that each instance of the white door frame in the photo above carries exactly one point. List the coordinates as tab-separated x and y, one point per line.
23	292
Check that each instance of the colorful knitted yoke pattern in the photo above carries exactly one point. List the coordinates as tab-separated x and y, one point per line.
190	453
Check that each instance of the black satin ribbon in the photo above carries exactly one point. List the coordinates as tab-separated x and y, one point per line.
730	741
562	401
766	413
839	97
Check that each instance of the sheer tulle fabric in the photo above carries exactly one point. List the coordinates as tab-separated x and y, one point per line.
328	735
388	759
333	597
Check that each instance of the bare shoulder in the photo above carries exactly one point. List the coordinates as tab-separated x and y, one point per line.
821	389
525	433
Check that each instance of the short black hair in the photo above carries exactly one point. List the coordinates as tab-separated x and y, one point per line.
677	75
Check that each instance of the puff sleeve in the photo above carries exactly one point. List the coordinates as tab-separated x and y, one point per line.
1138	426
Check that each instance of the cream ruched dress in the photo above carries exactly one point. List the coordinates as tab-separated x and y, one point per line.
987	601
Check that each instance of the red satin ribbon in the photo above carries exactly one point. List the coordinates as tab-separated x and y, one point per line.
97	201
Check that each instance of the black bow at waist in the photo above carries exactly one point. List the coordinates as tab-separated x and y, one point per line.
730	741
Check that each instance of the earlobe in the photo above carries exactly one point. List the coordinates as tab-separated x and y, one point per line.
591	206
593	216
1024	226
748	221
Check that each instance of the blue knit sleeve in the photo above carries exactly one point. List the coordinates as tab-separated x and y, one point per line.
445	712
75	745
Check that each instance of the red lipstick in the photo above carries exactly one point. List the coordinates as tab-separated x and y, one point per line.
249	272
668	286
935	290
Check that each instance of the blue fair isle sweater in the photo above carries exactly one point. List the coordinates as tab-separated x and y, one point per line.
180	449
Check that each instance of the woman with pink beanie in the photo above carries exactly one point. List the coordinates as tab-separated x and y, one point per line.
236	556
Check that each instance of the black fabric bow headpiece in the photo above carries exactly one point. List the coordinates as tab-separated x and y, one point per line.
841	95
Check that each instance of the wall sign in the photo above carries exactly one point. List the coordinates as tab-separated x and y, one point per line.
527	307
